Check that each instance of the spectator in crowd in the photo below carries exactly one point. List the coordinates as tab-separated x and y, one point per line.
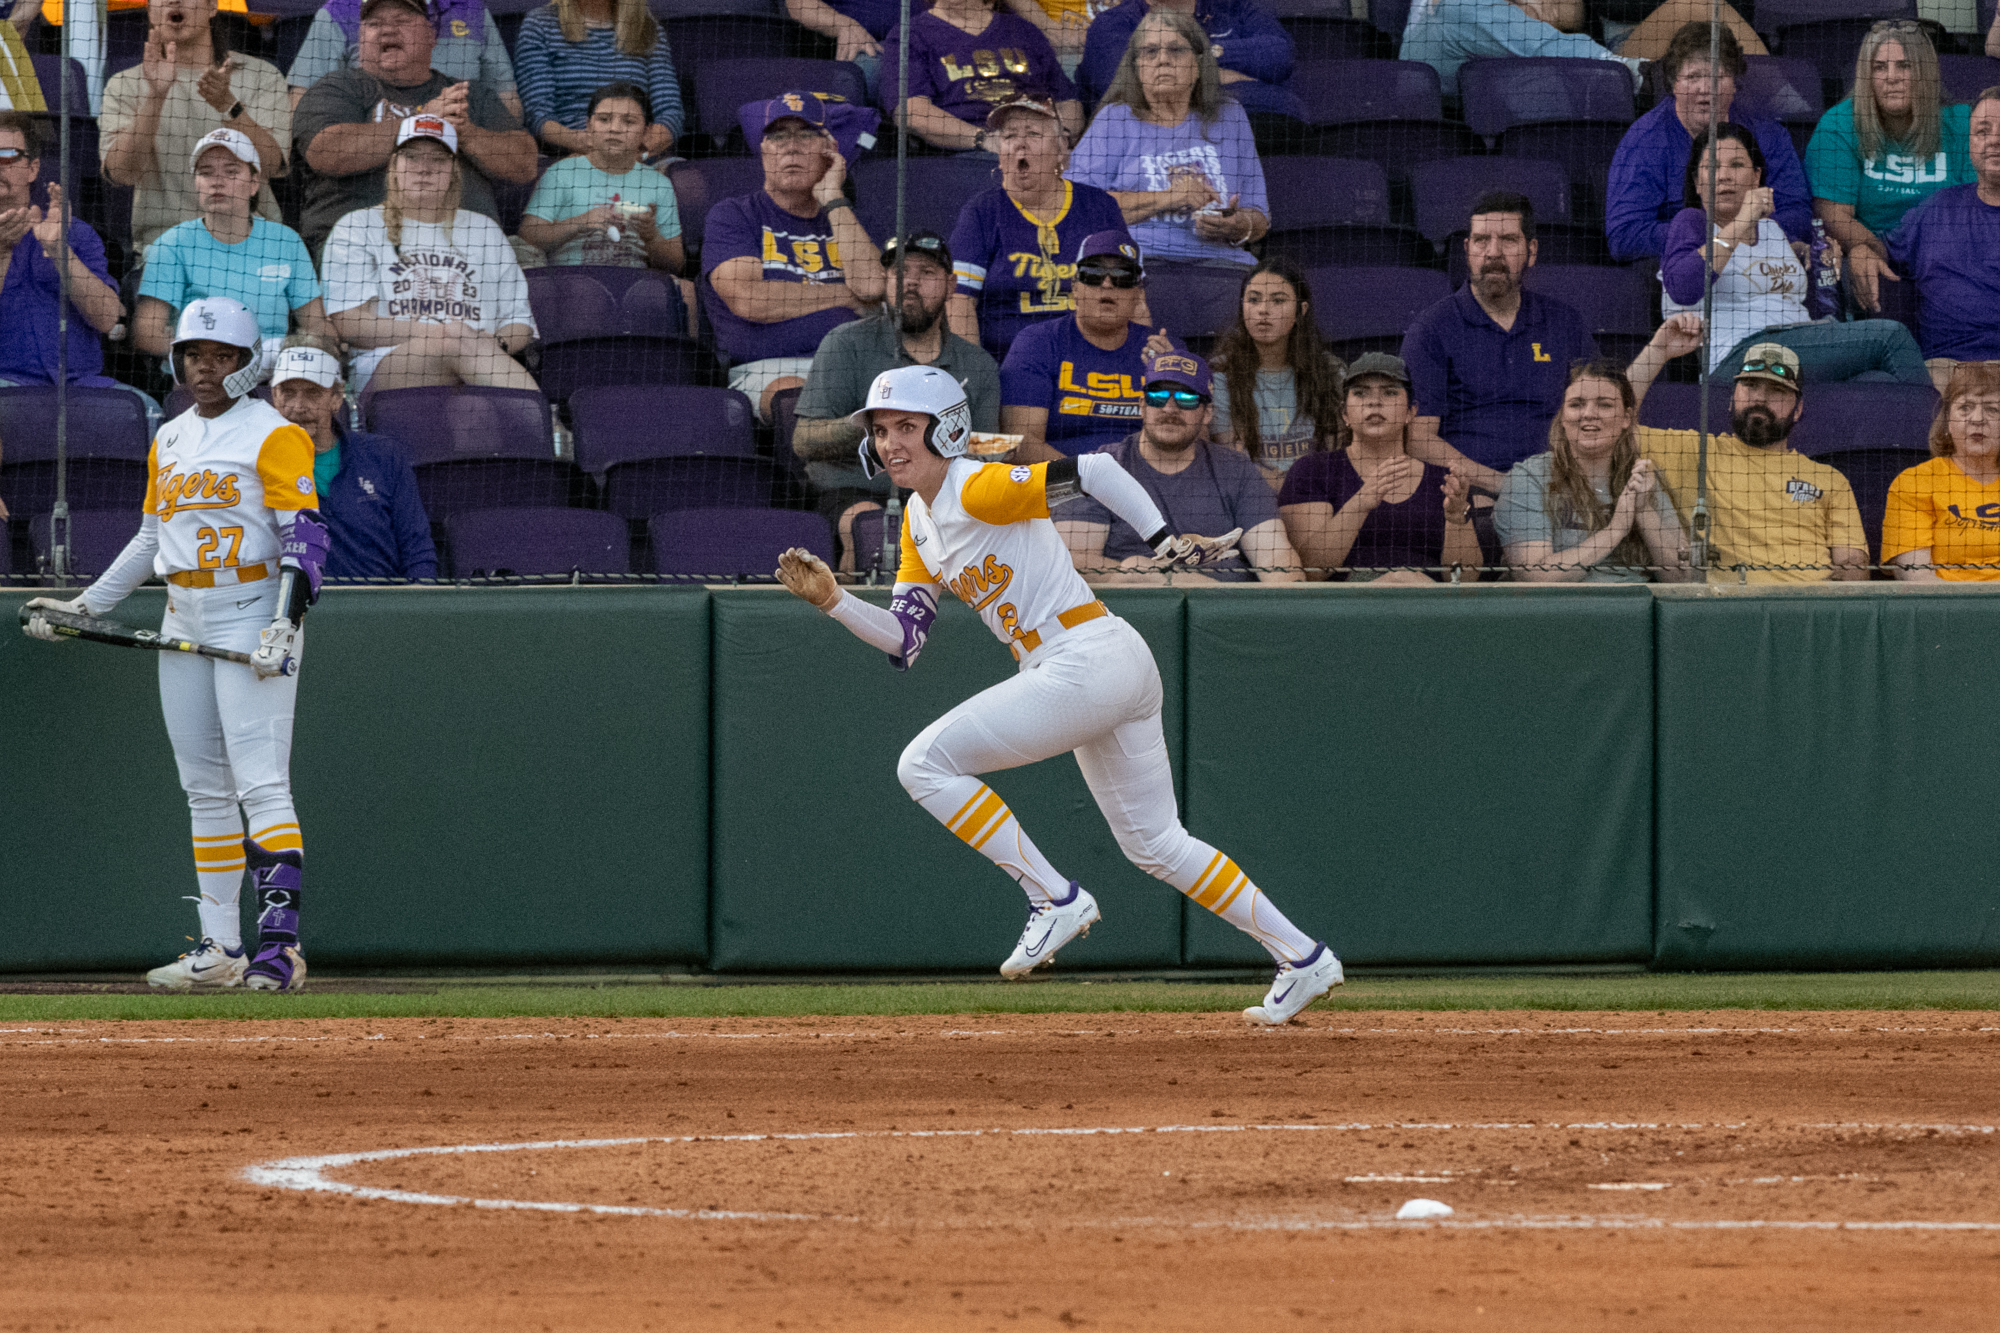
1775	516
604	208
469	48
1731	242
1070	386
1590	510
857	28
228	252
1444	34
1066	23
1644	190
1279	387
1644	29
1173	151
185	85
1950	246
572	48
348	122
1492	359
909	330
31	284
1253	51
1204	487
1946	512
367	493
789	263
1010	240
430	292
1890	145
1368	510
966	59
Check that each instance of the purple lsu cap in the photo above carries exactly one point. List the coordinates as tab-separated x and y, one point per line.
1177	367
797	106
1109	245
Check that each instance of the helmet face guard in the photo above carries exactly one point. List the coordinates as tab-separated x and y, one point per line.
221	320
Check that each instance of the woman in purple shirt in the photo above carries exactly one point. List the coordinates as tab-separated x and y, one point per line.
1368	506
964	61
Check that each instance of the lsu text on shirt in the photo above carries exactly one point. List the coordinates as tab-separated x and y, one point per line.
1766	506
214	482
1019	266
787	248
988	539
1935	505
1092	396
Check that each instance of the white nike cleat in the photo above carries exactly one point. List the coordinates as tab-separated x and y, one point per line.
1297	985
1050	926
207	966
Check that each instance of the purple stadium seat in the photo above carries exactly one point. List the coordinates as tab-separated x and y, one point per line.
1839	418
707	35
1870	472
1678	407
1783	88
681	9
867	530
1390	16
1583	149
692	544
607	325
1616	302
96	536
474	448
699	186
1327	211
1389	112
1339	9
1775	15
1965	77
1321	35
784	420
538	541
1367	309
1444	192
721	87
707	459
938	187
1829	45
1524	90
107	447
1193	301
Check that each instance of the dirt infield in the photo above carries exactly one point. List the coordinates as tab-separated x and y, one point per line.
1146	1172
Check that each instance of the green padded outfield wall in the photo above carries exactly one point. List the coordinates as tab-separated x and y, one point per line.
1422	775
484	777
1822	792
824	863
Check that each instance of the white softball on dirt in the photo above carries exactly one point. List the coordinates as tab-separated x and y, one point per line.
1422	1210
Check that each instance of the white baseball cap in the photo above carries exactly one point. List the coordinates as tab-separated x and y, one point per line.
236	141
307	363
428	127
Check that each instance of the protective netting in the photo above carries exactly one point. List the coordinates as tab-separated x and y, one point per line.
1479	289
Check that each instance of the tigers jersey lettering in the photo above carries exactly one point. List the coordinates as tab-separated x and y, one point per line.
214	483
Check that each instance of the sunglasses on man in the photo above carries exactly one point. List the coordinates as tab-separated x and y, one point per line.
1182	398
1123	279
12	154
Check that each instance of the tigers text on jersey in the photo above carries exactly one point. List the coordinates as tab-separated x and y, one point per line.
214	482
989	540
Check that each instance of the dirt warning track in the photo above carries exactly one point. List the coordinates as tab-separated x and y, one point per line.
1725	1170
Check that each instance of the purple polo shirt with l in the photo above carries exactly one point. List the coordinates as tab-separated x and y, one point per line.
1494	390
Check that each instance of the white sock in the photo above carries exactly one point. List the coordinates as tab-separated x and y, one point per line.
975	812
1216	883
218	870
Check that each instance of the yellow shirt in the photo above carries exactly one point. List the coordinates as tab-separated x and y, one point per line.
1766	506
1936	505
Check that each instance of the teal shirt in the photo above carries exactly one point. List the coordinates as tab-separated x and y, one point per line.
326	467
1890	184
269	271
574	186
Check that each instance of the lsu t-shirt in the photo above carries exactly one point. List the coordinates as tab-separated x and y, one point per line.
790	249
1936	505
1884	187
269	271
1019	266
969	74
574	185
1767	506
1092	396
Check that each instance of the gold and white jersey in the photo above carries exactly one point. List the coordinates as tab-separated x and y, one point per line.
214	482
989	540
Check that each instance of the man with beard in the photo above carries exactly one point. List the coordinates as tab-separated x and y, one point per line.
909	331
1209	487
1775	516
1492	359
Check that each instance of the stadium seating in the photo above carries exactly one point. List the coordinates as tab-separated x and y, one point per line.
538	541
603	325
474	448
1500	94
1193	302
1367	309
1443	192
1322	36
1965	77
701	185
693	544
1390	112
96	536
1830	45
708	460
106	448
721	88
1615	302
1329	210
938	188
1870	472
1839	418
699	39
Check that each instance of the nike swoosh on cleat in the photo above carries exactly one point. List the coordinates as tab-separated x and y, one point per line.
1042	943
1279	998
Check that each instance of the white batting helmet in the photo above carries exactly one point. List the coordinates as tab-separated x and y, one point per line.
917	389
218	319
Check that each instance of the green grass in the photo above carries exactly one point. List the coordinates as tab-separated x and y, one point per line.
1660	992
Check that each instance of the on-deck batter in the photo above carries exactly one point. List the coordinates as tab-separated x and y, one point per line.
230	525
1087	683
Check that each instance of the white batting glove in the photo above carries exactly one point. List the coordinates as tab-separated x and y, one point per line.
277	650
38	628
1190	551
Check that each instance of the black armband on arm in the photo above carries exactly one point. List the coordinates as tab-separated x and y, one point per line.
1062	483
1159	539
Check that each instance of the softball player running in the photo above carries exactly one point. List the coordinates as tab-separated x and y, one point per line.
230	525
1086	684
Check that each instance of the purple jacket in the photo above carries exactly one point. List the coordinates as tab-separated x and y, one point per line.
1643	193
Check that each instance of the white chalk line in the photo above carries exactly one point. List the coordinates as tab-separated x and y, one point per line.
308	1174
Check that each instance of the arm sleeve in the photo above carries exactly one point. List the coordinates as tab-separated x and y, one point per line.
415	552
1681	264
495	69
133	567
1103	480
533	78
1634	192
1257	45
1787	180
875	626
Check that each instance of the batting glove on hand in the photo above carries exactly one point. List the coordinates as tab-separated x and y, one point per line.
1191	551
37	627
808	577
277	650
